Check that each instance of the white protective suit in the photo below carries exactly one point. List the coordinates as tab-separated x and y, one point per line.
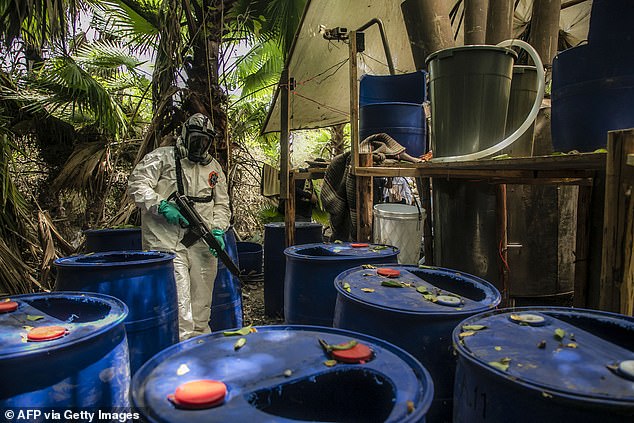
153	180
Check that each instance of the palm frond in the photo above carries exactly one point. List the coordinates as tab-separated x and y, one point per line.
85	170
106	58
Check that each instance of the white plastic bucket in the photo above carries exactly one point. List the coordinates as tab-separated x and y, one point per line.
400	225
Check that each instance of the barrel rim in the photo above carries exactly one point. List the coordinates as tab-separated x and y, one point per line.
420	372
73	261
474	47
497	297
377	211
107	299
107	230
290	252
462	352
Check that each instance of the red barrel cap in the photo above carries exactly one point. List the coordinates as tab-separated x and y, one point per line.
388	273
359	245
199	394
8	306
356	354
46	333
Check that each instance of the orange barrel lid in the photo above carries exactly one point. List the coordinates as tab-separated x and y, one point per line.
46	333
199	394
358	353
8	306
387	272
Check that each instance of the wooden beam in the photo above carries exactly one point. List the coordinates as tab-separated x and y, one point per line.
364	202
582	247
616	290
499	21
544	34
286	192
475	21
354	101
289	213
502	236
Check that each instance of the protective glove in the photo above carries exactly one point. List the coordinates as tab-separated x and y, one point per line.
171	213
218	234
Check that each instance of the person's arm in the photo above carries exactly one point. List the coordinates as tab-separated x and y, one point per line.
143	181
222	212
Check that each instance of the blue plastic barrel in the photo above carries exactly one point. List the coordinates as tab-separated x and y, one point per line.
401	88
275	261
125	239
144	280
86	367
226	303
392	104
417	315
250	257
309	294
279	375
592	93
545	364
611	22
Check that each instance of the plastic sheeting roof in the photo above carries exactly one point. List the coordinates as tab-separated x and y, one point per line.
320	67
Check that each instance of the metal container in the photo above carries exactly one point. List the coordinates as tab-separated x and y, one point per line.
250	257
226	303
309	294
144	280
418	315
98	240
279	375
80	360
545	365
400	225
275	261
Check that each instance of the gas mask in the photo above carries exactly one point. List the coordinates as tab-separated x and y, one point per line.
197	145
197	136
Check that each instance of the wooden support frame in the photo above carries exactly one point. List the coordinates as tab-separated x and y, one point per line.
616	292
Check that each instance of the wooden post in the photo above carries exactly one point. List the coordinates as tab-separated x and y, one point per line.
502	236
475	21
616	286
582	249
354	102
499	21
424	192
428	27
364	201
289	212
286	191
545	29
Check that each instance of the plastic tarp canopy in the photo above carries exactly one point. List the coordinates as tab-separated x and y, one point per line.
320	67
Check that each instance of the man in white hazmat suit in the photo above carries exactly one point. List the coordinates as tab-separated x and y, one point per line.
189	168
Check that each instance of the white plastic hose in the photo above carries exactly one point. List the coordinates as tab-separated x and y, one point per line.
529	119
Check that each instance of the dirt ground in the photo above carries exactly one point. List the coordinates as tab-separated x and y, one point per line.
253	305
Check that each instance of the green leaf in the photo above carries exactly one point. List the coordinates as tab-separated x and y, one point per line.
462	335
560	334
368	266
499	365
392	284
497	348
240	332
346	286
33	318
430	297
345	346
239	343
473	327
422	290
330	363
367	289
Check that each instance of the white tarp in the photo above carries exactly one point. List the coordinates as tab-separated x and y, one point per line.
321	69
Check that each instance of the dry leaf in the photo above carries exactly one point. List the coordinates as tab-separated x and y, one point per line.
367	289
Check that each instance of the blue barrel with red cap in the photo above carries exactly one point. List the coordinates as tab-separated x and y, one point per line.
545	364
63	350
283	374
226	302
144	280
309	294
415	308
